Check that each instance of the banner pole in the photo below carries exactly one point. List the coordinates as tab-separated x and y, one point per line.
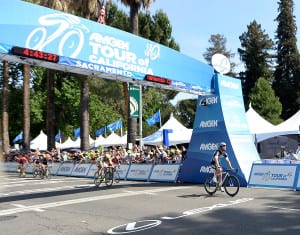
141	119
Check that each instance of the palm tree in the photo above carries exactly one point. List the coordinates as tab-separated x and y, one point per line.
26	106
135	6
86	9
5	104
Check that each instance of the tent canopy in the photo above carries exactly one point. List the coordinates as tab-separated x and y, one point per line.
180	134
262	129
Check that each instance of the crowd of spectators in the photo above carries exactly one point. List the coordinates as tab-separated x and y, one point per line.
119	154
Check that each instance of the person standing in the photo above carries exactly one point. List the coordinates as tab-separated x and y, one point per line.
282	153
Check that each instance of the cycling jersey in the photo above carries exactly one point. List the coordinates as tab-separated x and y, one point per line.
22	160
220	155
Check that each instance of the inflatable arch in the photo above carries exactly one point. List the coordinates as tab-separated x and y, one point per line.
52	39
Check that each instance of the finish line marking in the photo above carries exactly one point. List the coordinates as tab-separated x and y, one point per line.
41	207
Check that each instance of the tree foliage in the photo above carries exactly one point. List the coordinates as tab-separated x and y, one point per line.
264	101
218	45
255	53
287	74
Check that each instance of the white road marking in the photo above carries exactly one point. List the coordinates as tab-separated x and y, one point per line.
85	200
283	208
40	190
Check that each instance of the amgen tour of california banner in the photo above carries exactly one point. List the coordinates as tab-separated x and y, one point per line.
88	45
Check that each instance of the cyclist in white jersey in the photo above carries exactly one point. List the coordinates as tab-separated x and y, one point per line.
215	162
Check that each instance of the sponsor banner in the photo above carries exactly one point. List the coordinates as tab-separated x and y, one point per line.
97	47
123	171
92	170
271	175
81	169
11	166
134	101
139	172
54	166
65	169
298	179
165	173
29	168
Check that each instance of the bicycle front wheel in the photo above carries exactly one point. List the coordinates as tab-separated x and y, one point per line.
210	184
109	178
232	185
116	176
97	179
35	173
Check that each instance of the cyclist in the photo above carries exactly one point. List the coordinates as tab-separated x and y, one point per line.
105	161
44	164
215	162
22	164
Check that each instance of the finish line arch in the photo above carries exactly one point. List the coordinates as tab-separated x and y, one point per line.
85	47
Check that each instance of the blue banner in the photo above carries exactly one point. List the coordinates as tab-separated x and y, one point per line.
87	45
18	138
77	133
115	125
58	137
154	118
101	131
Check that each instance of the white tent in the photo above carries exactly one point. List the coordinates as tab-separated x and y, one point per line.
257	124
69	143
112	139
290	126
99	141
39	142
180	133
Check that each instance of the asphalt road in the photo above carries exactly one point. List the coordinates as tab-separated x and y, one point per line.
66	205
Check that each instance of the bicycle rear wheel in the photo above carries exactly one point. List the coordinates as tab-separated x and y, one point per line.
210	184
232	185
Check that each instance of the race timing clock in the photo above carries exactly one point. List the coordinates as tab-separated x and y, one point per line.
34	54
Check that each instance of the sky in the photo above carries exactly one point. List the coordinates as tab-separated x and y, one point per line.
194	21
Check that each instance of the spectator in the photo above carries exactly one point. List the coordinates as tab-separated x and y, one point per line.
291	155
297	152
282	153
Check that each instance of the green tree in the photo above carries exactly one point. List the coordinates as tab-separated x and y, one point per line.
187	112
264	101
218	45
255	53
287	76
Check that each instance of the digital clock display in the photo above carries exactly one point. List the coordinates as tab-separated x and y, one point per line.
161	80
34	54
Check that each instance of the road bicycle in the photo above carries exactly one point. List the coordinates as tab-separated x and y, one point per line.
22	170
231	183
106	176
41	172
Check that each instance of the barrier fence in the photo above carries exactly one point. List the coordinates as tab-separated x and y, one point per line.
275	174
144	172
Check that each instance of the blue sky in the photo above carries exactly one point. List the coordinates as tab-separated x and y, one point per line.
194	21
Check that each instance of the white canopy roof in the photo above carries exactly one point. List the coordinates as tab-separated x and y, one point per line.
180	133
112	139
99	141
290	126
39	142
262	129
257	124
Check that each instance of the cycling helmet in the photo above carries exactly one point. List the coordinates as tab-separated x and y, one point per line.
222	144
